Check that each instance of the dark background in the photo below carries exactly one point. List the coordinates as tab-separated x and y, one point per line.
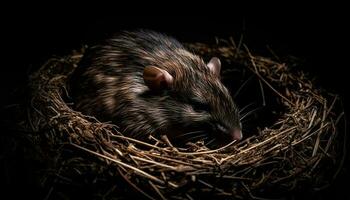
316	35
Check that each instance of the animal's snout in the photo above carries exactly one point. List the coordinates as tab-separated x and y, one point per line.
236	134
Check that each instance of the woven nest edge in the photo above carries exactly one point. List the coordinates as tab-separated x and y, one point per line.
301	148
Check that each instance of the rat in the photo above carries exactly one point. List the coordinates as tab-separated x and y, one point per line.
148	83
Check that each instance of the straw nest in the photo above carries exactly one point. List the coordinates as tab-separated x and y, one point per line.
299	148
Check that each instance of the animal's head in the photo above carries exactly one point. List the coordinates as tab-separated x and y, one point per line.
193	102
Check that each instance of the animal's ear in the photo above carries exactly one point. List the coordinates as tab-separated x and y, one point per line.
214	65
156	78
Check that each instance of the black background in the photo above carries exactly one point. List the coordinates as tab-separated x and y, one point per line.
315	34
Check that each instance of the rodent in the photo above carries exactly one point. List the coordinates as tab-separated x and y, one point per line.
148	83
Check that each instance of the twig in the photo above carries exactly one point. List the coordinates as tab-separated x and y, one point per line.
267	83
134	186
157	190
145	174
207	152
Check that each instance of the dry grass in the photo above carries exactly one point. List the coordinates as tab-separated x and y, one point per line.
302	149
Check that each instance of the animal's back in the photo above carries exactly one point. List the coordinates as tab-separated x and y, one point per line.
109	78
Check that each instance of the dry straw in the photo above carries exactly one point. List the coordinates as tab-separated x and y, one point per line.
302	149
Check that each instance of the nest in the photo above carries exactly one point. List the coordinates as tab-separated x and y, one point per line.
296	146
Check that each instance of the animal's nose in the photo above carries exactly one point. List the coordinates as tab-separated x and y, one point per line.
236	134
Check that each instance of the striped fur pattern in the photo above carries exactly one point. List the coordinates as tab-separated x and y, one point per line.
109	85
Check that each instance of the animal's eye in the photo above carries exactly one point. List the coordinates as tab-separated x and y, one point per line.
221	127
200	106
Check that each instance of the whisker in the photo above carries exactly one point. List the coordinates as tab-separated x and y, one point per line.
262	93
189	133
244	121
245	107
211	141
197	137
250	112
242	86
